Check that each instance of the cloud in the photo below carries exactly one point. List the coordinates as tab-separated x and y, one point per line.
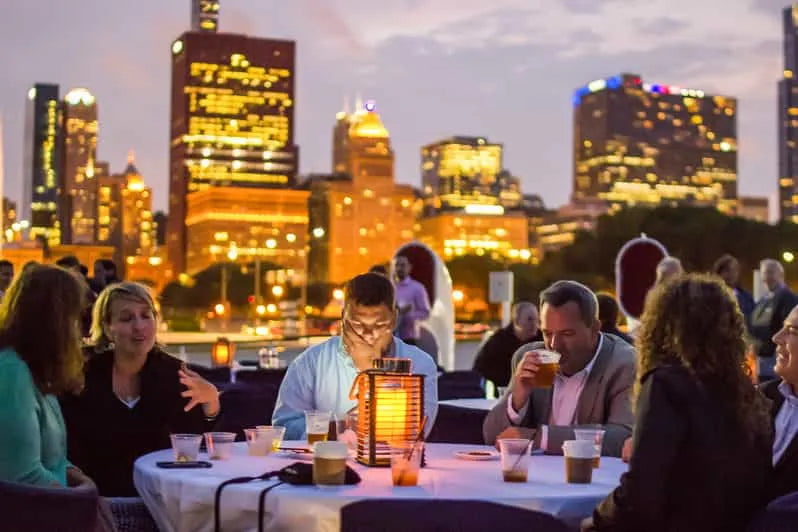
662	25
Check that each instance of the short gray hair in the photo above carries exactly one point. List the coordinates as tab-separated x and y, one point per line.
101	312
563	292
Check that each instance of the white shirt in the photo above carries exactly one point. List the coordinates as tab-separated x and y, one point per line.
564	397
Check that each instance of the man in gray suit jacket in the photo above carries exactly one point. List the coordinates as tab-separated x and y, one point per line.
593	385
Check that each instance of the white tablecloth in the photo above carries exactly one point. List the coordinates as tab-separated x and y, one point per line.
477	404
182	500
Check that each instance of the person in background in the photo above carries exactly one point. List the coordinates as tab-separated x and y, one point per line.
40	358
135	393
6	275
494	359
702	438
71	262
768	316
608	316
728	268
593	382
104	275
412	301
667	269
783	394
321	377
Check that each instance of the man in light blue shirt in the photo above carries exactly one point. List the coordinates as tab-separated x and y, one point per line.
322	376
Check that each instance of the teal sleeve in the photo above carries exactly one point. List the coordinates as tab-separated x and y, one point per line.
20	433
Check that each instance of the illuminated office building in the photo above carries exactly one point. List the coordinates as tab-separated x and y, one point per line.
42	162
462	171
138	226
359	216
484	230
788	120
243	225
755	208
647	144
77	208
232	124
205	15
109	212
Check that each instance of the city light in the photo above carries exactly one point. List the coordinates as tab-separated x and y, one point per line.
271	308
261	310
338	294
232	254
277	291
219	309
788	256
457	295
318	232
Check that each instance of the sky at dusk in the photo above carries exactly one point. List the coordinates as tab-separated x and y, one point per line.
503	69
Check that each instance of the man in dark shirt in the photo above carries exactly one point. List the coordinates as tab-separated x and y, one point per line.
728	269
608	316
495	356
768	316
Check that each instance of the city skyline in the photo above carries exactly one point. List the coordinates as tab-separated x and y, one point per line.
462	68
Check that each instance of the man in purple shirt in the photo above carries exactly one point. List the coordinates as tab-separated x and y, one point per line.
412	302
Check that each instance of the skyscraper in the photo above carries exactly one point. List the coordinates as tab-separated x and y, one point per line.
42	162
77	209
232	126
460	171
359	216
205	15
137	224
650	144
788	119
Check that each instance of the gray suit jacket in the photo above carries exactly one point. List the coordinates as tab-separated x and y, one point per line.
605	400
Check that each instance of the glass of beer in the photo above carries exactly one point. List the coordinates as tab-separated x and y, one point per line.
548	363
317	424
329	463
515	458
578	461
596	436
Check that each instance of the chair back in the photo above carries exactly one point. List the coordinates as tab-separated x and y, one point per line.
271	377
24	507
463	384
245	406
400	515
218	376
781	515
458	425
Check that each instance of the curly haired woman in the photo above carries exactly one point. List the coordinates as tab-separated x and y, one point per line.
702	437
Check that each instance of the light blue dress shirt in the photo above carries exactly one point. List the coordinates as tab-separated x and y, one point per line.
786	422
322	376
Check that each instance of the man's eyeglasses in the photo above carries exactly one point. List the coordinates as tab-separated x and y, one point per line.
361	329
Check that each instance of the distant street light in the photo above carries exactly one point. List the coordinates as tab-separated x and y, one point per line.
457	295
261	310
219	309
788	256
338	294
277	290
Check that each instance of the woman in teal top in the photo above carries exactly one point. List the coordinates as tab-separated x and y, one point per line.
40	357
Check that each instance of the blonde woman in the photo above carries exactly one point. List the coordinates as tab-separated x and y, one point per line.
135	393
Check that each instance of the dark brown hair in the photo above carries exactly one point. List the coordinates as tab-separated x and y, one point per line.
369	290
695	321
39	319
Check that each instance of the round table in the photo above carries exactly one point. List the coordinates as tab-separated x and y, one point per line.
475	404
182	500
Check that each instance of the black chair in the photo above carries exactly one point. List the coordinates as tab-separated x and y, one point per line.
781	515
220	376
400	515
131	515
245	406
271	377
458	425
464	384
25	507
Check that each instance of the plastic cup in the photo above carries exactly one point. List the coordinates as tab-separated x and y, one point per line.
578	461
548	364
406	462
329	463
275	434
515	458
593	435
186	446
317	425
219	444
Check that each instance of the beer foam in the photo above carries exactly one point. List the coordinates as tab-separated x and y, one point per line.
578	449
331	450
548	357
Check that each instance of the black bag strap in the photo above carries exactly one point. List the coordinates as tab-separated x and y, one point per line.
217	499
262	503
